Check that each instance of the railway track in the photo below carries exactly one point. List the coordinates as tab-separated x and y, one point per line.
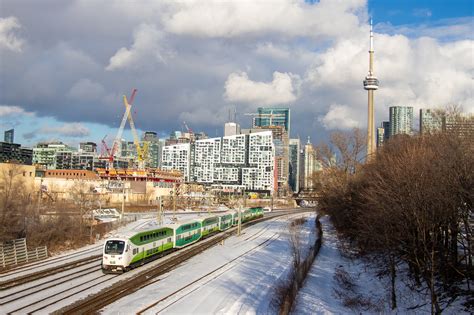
47	262
59	296
49	283
8	284
129	286
123	288
212	275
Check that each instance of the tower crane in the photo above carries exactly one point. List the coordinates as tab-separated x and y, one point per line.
190	131
142	151
187	128
106	152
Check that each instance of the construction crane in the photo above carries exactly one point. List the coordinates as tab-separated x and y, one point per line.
142	151
190	131
187	128
107	155
118	137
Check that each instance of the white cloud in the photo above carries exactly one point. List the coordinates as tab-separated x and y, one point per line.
420	72
339	117
9	110
340	64
8	39
146	48
74	130
273	51
282	90
318	50
289	17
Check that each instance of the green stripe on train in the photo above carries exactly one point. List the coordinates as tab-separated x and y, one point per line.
188	239
151	252
206	232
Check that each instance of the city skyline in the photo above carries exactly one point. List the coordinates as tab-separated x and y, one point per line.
66	83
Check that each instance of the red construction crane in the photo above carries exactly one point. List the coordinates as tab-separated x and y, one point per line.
187	128
106	153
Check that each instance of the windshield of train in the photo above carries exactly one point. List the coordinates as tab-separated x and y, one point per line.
114	247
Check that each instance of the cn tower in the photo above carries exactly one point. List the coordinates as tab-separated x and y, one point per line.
371	84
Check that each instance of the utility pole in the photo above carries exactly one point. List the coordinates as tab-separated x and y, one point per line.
123	200
91	221
40	197
203	202
239	223
271	207
174	202
80	213
160	211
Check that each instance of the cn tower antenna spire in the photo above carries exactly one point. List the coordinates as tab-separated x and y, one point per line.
371	83
371	36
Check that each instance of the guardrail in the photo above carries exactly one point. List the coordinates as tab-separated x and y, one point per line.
15	252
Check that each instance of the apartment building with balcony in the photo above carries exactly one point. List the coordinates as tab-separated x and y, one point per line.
235	162
177	157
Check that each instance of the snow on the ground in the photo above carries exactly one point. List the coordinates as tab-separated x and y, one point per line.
238	276
138	222
317	296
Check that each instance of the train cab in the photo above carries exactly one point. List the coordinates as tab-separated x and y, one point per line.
115	255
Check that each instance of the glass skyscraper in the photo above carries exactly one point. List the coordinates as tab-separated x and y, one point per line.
273	116
401	120
9	136
294	176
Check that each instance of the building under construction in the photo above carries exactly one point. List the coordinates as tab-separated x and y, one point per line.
152	175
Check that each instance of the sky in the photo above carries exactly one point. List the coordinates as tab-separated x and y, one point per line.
64	65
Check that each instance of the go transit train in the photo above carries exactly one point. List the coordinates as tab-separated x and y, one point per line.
123	252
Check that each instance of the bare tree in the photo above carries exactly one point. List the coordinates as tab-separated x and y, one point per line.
415	196
345	151
294	239
15	202
84	198
412	204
